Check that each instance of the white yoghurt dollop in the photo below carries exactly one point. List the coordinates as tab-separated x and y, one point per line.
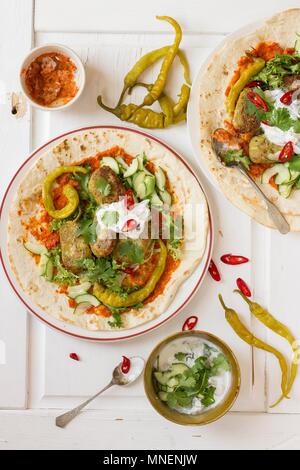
114	217
280	137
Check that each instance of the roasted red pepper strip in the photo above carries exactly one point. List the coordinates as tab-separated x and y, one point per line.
190	323
287	97
243	287
74	356
233	259
125	367
129	199
287	152
257	101
213	271
256	83
131	224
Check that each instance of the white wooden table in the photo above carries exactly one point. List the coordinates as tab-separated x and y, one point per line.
37	378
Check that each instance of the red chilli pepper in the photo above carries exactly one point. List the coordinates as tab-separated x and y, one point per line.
129	199
130	224
234	259
243	287
287	97
128	270
74	356
287	152
257	101
213	271
190	323
125	367
256	83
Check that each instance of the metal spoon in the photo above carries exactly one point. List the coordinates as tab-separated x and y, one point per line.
220	148
118	378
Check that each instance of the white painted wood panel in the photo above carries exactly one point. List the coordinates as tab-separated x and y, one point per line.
108	430
59	382
138	16
15	39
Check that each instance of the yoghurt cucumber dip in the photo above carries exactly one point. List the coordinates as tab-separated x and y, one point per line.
192	375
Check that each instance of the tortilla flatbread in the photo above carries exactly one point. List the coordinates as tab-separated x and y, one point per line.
72	150
281	28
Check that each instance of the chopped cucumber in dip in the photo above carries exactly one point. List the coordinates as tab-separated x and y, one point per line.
191	375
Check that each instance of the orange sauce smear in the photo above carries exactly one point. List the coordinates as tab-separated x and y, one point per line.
50	78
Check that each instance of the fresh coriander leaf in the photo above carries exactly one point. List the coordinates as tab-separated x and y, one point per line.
103	186
132	252
63	275
88	229
294	163
220	363
175	248
186	382
281	118
180	356
117	320
276	69
296	126
200	363
182	399
83	179
56	224
172	400
110	218
237	156
209	396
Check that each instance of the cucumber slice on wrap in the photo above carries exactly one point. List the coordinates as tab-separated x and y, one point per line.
35	248
111	163
80	289
89	298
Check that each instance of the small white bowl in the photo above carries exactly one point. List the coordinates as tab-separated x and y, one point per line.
79	74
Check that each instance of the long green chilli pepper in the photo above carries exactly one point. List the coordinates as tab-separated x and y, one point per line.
279	328
246	335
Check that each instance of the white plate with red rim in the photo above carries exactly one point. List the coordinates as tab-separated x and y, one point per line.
184	295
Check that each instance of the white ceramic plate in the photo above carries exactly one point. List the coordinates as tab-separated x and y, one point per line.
186	291
193	115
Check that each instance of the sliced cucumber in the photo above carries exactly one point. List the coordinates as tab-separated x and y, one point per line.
163	396
283	176
111	163
166	197
138	178
81	308
80	289
132	169
140	159
294	175
160	178
88	298
43	264
122	163
275	170
178	368
35	248
285	190
150	184
129	181
155	199
49	270
297	44
172	382
162	377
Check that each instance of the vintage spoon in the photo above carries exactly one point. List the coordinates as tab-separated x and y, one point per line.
118	378
220	148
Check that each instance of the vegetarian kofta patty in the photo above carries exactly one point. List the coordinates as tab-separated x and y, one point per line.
112	192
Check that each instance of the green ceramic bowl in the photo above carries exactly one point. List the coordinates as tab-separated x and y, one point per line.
204	417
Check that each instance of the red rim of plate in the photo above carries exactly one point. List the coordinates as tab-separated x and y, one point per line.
209	246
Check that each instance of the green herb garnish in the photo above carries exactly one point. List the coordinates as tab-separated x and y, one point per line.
276	69
133	252
63	275
110	218
103	186
237	156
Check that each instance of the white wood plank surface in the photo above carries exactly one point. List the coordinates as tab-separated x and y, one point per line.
15	39
109	44
135	16
108	430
